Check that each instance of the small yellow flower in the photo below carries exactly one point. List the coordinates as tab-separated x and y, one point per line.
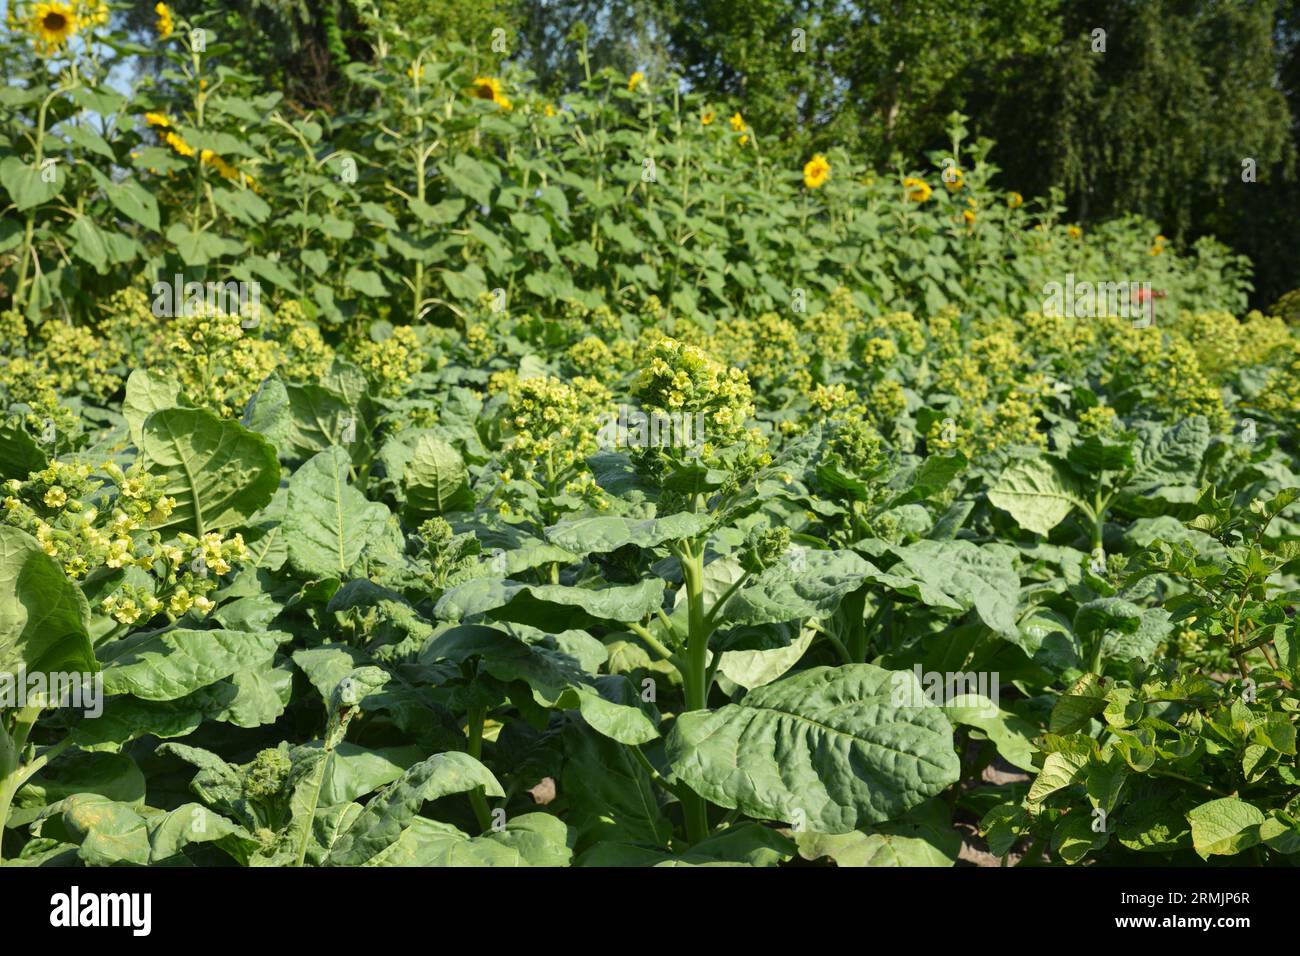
707	117
1074	232
51	25
969	216
635	80
548	109
1015	200
489	88
917	190
744	140
157	119
816	171
164	24
737	123
55	497
953	178
1159	245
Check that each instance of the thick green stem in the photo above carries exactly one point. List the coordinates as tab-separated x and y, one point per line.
8	787
477	799
695	675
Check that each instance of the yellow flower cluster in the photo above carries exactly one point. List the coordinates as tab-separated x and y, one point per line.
830	331
685	378
551	428
216	360
65	358
1163	368
1280	395
768	348
1098	420
52	505
392	363
903	330
165	25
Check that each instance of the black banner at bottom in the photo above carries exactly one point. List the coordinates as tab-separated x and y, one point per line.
339	907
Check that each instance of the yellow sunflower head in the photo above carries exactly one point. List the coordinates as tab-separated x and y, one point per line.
489	88
635	80
51	25
816	171
1015	200
164	24
179	145
917	190
707	117
737	123
157	119
1074	232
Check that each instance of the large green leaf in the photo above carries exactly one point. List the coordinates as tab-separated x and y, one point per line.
803	584
552	607
303	419
530	839
923	837
328	523
389	813
606	533
43	615
962	576
219	472
552	668
610	795
1037	493
829	747
1225	827
435	479
147	393
175	663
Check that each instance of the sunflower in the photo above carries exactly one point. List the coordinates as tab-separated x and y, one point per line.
635	80
953	178
220	165
744	140
707	117
737	123
157	119
1015	200
917	190
969	216
489	88
1074	232
175	142
51	25
548	109
164	24
816	171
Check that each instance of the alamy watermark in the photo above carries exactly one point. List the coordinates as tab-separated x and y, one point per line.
1094	300
918	688
80	690
176	297
633	428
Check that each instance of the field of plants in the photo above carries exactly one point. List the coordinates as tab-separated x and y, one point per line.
475	478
